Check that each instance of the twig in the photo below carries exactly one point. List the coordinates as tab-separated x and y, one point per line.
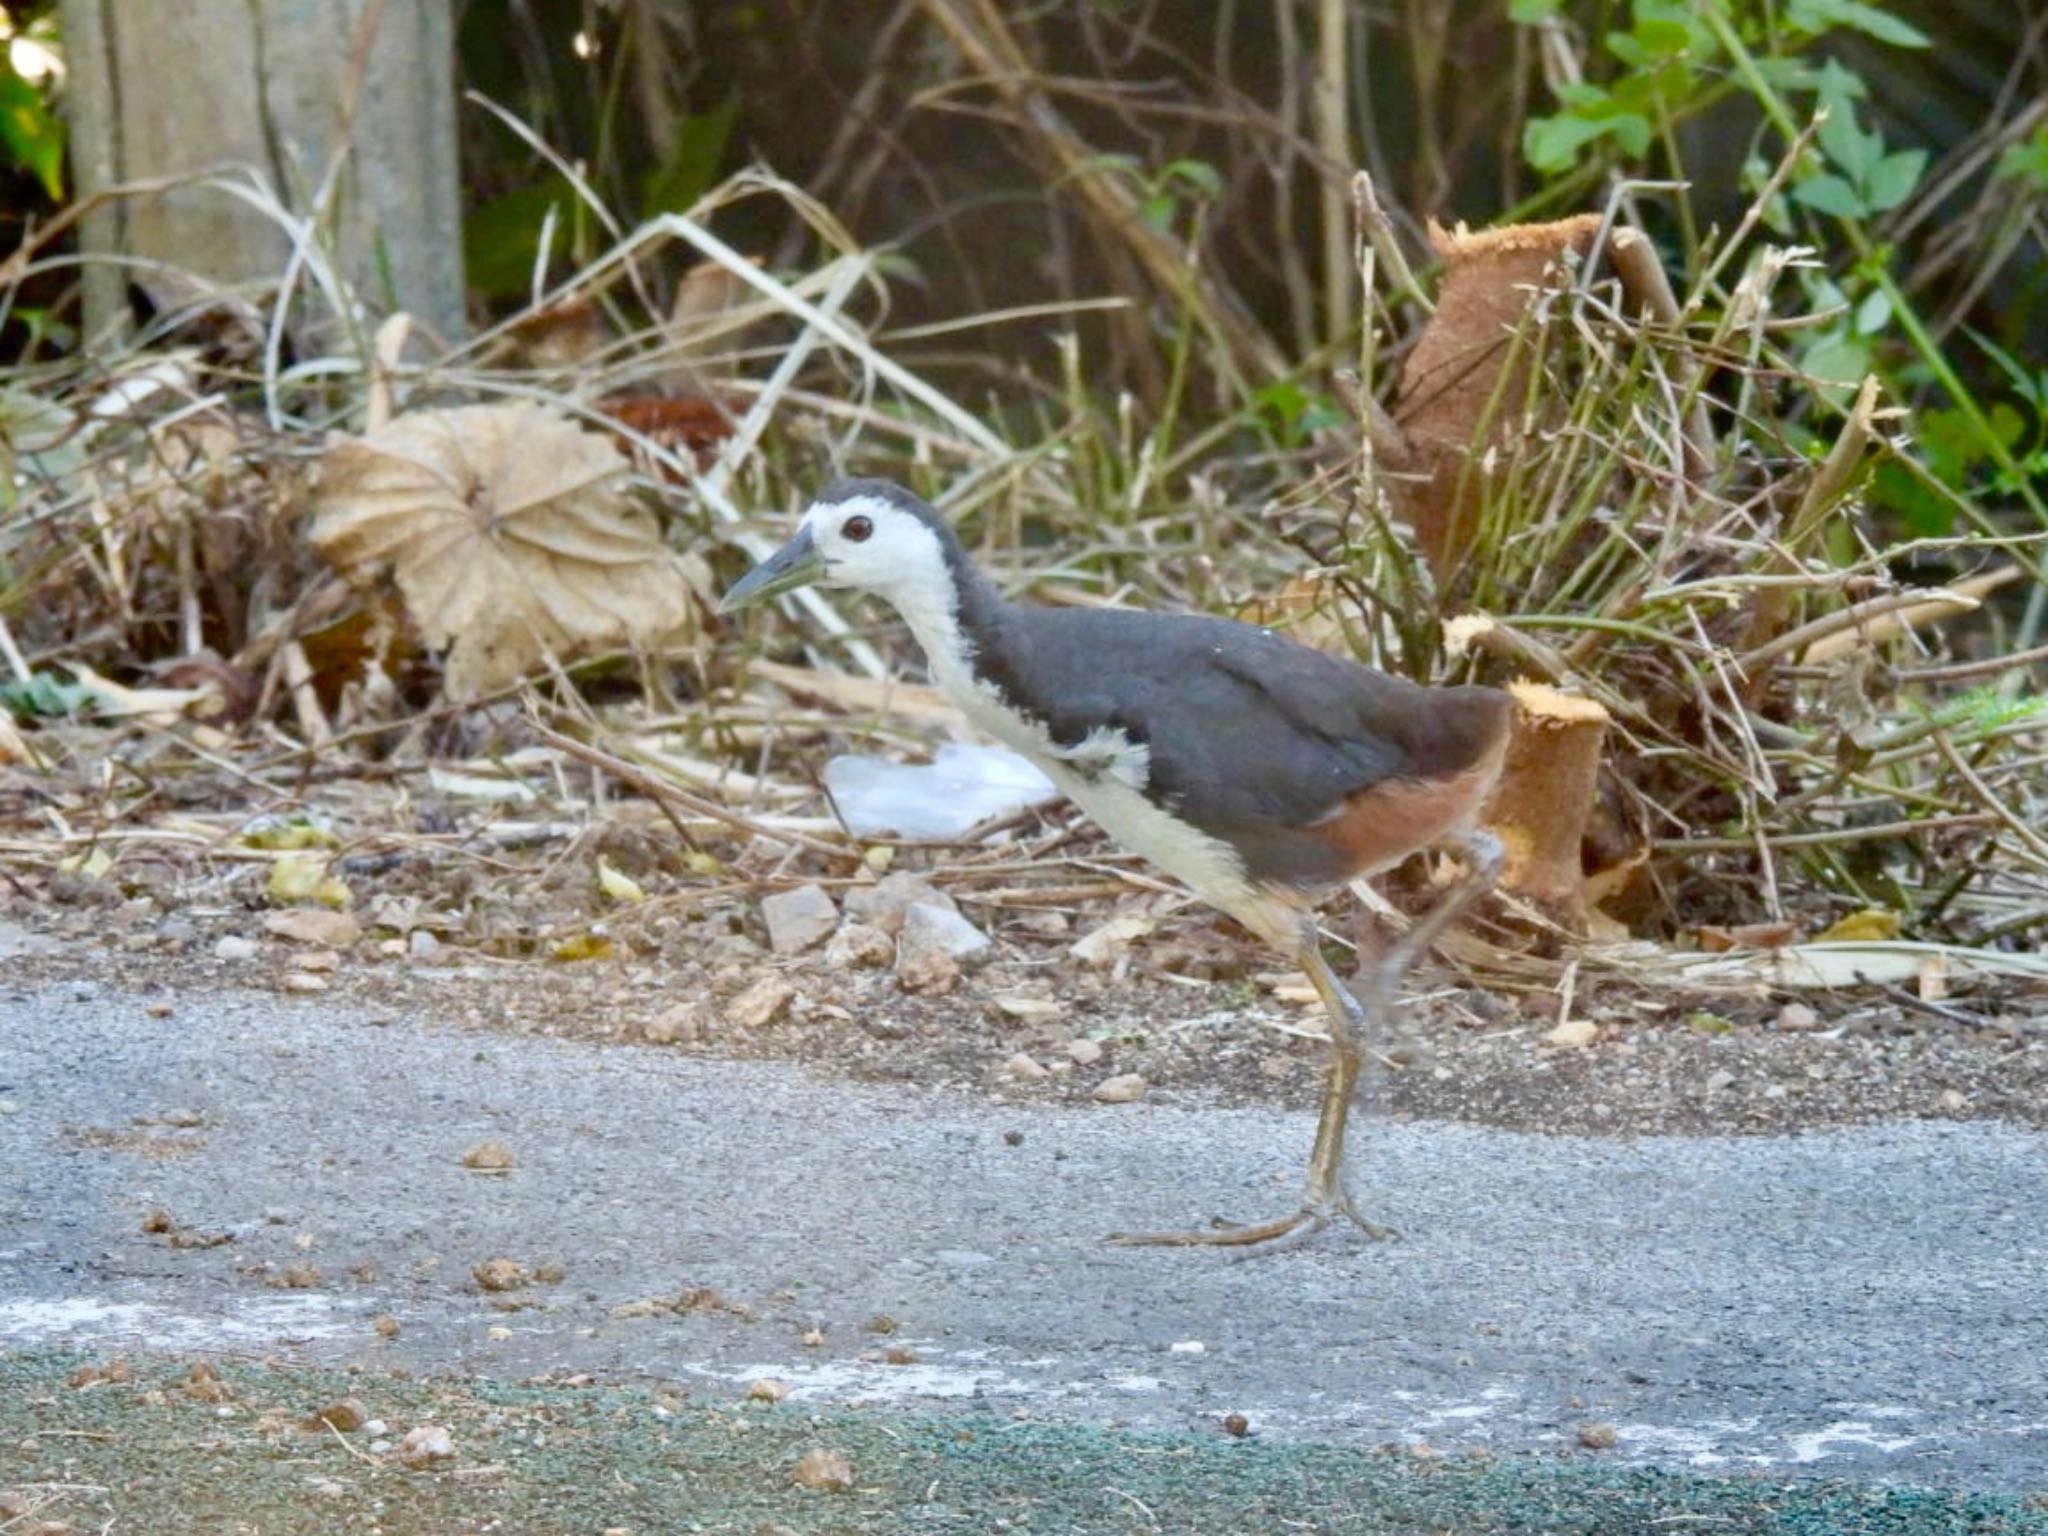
665	794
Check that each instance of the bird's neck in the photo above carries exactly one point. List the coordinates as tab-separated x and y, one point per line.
955	614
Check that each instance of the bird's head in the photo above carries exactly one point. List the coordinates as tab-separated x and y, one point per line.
871	535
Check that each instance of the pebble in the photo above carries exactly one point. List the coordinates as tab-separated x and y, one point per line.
1085	1052
859	947
680	1023
798	919
305	981
1598	1437
1124	1088
1020	1065
422	945
425	1444
883	904
1104	945
926	969
1572	1034
927	924
1798	1017
761	1003
234	946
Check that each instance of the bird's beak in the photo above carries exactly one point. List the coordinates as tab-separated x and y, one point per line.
796	564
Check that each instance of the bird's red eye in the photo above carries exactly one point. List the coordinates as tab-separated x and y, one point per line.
857	529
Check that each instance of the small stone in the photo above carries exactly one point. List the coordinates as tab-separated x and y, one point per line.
883	904
679	1024
767	1390
425	1444
798	919
1719	1080
1124	1088
305	981
385	1325
325	961
500	1275
1023	1066
300	1277
1106	944
9	1107
422	945
1236	1425
926	924
1798	1018
1572	1034
927	970
235	947
488	1157
761	1003
1085	1052
1598	1437
813	1338
1187	1347
1019	1006
1952	1101
859	947
346	1414
828	1471
159	1010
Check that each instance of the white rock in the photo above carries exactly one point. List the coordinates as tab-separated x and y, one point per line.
1024	1066
798	919
425	1444
1085	1052
926	926
234	947
422	945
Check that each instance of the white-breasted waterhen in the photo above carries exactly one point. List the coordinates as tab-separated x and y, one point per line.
1262	773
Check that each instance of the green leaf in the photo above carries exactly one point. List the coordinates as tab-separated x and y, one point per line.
1830	194
1528	13
1874	313
693	160
1815	17
2026	160
1837	360
1158	211
501	238
1553	143
1846	144
31	134
45	694
1199	175
1892	180
1926	514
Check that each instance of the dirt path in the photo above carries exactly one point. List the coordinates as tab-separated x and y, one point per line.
1864	1303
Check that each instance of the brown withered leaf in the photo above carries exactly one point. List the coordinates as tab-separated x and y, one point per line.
509	533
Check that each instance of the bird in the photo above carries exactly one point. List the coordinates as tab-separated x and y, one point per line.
1261	773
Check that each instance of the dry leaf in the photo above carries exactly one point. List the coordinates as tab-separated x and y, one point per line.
1860	927
303	877
620	888
509	532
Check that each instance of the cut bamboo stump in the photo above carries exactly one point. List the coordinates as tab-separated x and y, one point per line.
1547	790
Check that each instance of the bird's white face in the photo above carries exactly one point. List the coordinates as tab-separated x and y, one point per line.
871	546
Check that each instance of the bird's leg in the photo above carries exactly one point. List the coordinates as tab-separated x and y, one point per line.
1355	1026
